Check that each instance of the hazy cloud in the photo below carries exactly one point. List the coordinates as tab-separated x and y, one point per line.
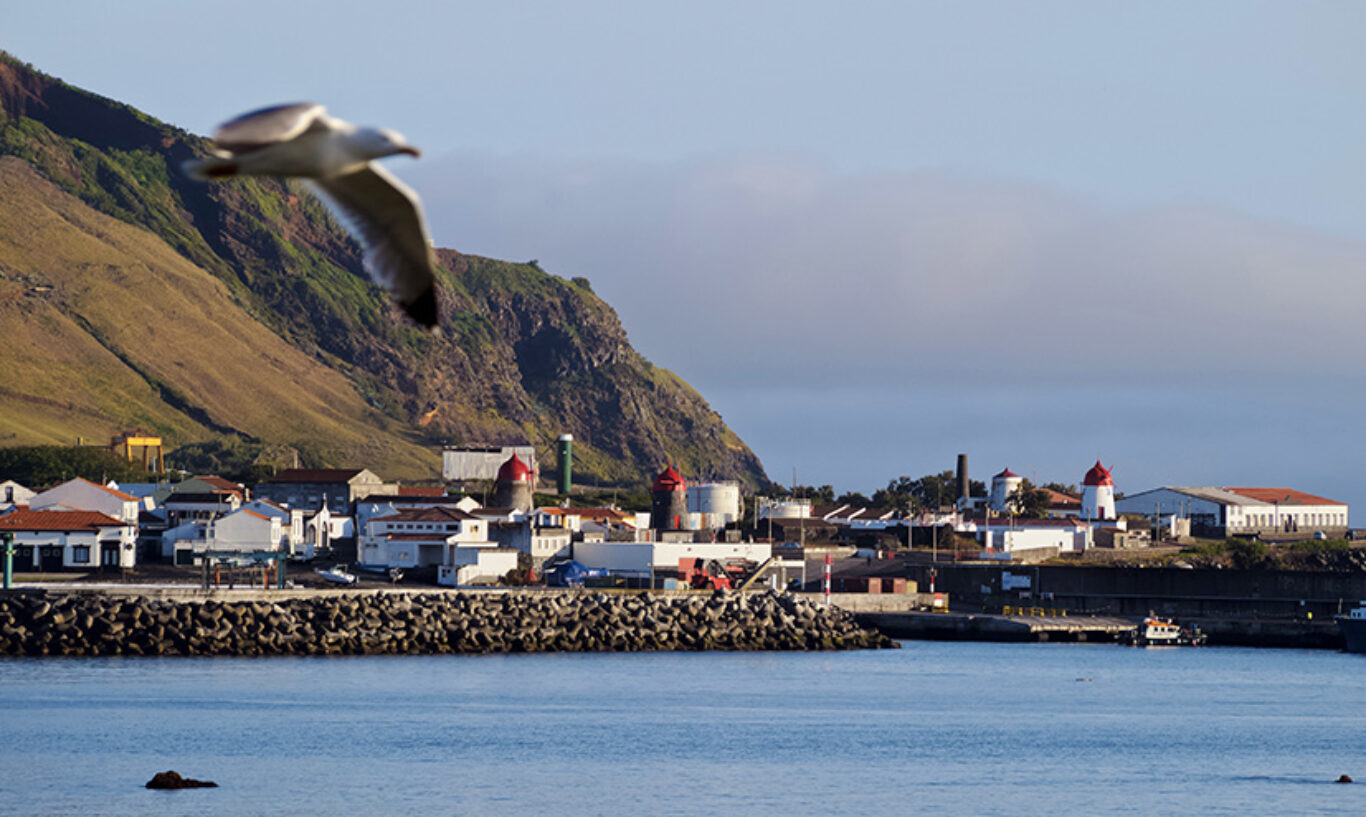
778	268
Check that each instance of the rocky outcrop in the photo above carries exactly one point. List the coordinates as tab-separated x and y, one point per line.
428	623
173	780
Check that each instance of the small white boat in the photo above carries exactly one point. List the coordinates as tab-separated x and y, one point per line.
337	574
1157	632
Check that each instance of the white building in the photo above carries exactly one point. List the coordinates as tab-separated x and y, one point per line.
476	563
246	531
640	558
82	495
1002	486
420	537
293	540
12	493
1098	494
55	539
184	506
1028	538
542	544
1220	512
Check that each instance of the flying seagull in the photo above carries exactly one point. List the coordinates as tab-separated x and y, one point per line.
333	158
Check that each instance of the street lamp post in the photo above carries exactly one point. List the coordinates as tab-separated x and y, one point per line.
8	538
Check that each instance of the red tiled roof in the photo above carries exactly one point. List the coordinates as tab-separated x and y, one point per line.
1283	496
255	514
418	490
316	475
57	520
220	483
426	515
1058	499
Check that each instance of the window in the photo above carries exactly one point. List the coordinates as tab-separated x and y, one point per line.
80	554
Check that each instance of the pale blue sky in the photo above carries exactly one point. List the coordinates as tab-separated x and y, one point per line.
1034	232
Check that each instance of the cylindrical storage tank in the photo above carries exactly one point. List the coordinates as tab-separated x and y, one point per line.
717	503
787	509
513	486
668	503
566	463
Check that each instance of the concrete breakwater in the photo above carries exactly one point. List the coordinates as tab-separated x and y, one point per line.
37	624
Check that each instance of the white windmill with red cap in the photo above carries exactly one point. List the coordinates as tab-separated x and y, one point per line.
1098	493
1003	485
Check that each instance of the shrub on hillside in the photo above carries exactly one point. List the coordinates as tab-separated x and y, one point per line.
40	466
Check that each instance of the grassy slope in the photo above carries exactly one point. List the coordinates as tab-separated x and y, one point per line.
129	323
500	374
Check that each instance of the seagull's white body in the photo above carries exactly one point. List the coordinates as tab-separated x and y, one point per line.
334	158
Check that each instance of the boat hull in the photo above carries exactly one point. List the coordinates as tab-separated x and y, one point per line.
1353	634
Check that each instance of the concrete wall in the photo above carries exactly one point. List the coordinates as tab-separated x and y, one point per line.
1167	591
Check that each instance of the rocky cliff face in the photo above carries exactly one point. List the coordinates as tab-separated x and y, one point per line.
525	355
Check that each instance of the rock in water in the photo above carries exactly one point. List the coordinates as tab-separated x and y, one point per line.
173	780
1344	779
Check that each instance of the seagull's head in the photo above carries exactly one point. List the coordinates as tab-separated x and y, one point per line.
381	142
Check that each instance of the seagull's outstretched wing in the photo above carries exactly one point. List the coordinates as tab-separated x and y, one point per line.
268	126
386	219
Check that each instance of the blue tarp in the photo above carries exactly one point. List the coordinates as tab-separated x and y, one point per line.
571	574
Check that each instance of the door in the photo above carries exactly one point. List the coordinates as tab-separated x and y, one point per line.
50	557
109	554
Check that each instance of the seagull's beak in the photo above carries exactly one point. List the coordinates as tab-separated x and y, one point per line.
411	151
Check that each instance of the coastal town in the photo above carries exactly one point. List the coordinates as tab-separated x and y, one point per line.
460	538
495	518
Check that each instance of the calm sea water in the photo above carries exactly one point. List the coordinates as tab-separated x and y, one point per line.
933	728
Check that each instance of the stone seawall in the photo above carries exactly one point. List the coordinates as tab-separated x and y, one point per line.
38	624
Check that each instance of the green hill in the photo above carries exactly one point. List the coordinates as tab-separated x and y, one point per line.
236	317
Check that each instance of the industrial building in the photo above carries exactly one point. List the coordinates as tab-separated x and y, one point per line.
1222	512
461	463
